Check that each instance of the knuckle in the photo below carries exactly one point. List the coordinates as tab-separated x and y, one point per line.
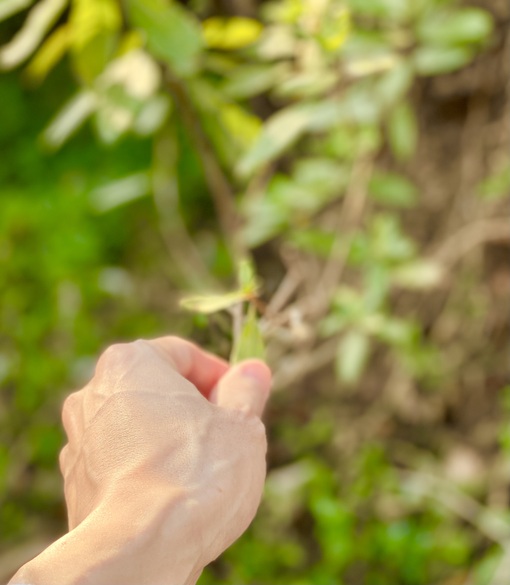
63	458
71	413
251	426
116	355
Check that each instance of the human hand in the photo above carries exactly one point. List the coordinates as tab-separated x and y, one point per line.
164	467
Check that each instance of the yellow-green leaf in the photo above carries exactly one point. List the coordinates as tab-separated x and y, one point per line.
247	277
335	30
50	53
212	303
243	126
250	343
95	24
351	358
230	33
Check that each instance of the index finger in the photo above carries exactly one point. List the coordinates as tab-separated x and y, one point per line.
201	368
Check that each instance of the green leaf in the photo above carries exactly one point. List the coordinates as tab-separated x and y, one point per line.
250	343
351	357
240	123
283	129
497	185
172	33
316	241
392	189
395	10
277	134
264	219
403	131
212	303
38	22
431	60
247	276
250	80
465	26
395	83
94	27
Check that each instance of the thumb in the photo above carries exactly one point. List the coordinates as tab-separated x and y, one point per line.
245	386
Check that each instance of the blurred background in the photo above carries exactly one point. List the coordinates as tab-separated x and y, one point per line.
359	151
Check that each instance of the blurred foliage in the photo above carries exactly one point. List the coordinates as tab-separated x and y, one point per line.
191	136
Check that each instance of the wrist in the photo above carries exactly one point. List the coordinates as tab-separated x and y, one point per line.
118	548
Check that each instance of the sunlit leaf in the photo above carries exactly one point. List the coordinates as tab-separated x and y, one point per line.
364	66
70	118
212	303
243	126
283	129
50	53
419	274
403	131
247	277
39	20
335	29
230	33
351	357
120	192
306	84
250	343
152	115
172	33
10	7
251	80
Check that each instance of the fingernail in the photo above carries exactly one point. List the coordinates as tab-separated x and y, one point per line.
257	371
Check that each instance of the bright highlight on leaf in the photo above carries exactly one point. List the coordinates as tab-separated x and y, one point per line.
246	277
250	343
229	34
335	30
208	304
39	20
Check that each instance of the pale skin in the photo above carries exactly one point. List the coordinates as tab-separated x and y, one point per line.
164	466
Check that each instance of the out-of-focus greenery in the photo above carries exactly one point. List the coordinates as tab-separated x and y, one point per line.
149	145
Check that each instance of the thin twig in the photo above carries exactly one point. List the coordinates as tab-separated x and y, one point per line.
221	190
295	367
484	519
178	242
470	236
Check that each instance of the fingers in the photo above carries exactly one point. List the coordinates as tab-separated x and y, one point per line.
201	368
245	387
